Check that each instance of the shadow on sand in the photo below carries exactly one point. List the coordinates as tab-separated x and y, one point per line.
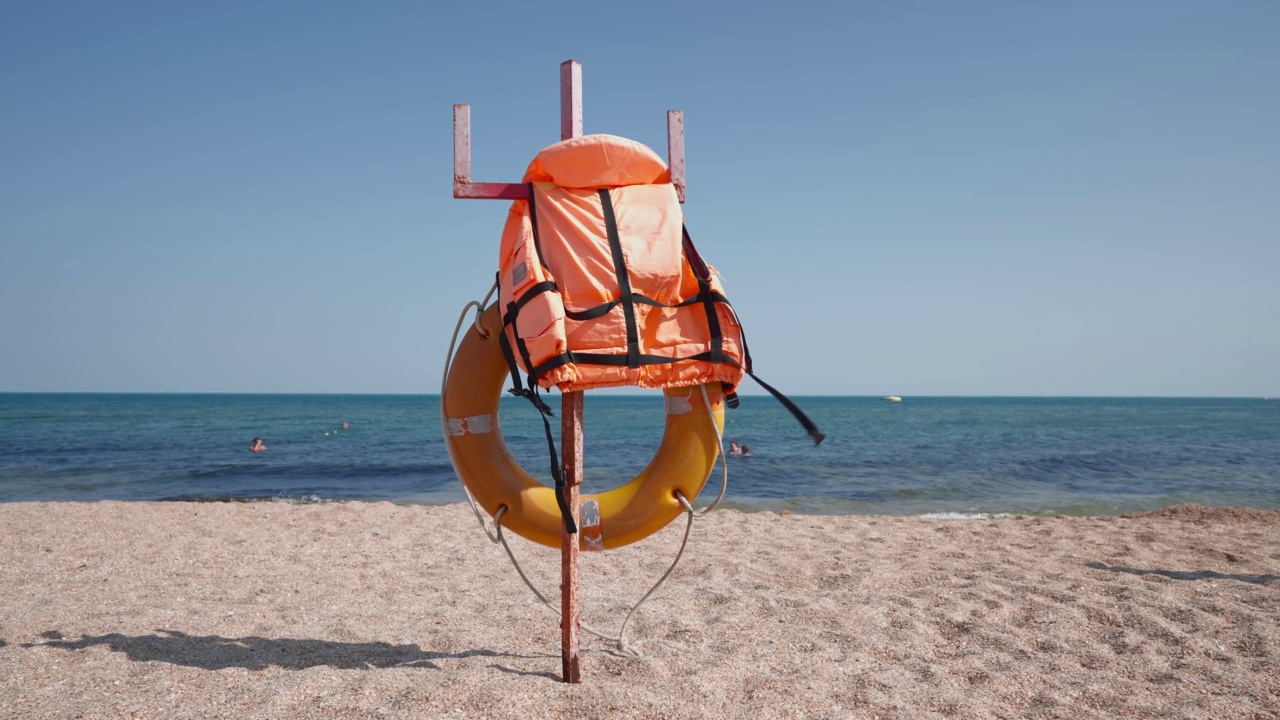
213	652
1186	574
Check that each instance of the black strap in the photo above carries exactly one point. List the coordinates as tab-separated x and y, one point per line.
700	267
603	309
545	286
511	362
561	499
703	273
509	319
515	332
640	359
645	359
516	386
585	358
551	364
592	313
796	412
624	280
507	353
533	223
544	411
730	396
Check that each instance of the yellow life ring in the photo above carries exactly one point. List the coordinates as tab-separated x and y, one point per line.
685	458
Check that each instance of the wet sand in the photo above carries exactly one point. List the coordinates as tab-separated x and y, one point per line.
273	610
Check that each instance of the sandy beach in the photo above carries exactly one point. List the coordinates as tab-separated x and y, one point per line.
274	610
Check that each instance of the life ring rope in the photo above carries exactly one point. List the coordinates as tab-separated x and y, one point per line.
479	327
620	639
724	463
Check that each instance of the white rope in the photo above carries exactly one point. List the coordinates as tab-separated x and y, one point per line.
622	634
724	464
484	304
444	384
621	638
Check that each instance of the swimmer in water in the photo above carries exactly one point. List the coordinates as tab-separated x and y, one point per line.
256	445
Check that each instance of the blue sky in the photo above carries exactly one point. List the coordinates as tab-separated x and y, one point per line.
982	198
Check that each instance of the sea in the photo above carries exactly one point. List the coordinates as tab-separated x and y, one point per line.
936	456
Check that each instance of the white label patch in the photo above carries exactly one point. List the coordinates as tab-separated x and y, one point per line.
678	405
518	274
592	533
474	425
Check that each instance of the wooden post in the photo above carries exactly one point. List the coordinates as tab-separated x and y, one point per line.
571	458
571	404
570	99
675	150
570	425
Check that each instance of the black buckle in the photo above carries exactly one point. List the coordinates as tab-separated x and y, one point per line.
533	398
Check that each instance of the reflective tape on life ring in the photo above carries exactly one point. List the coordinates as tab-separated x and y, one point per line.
684	460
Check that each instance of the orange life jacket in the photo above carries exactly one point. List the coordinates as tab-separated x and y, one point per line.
599	283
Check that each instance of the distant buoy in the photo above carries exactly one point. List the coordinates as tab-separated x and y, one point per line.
892	398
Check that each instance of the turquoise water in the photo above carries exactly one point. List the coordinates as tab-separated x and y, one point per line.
924	455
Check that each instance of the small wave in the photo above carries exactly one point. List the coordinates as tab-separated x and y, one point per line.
964	516
296	499
286	499
335	471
